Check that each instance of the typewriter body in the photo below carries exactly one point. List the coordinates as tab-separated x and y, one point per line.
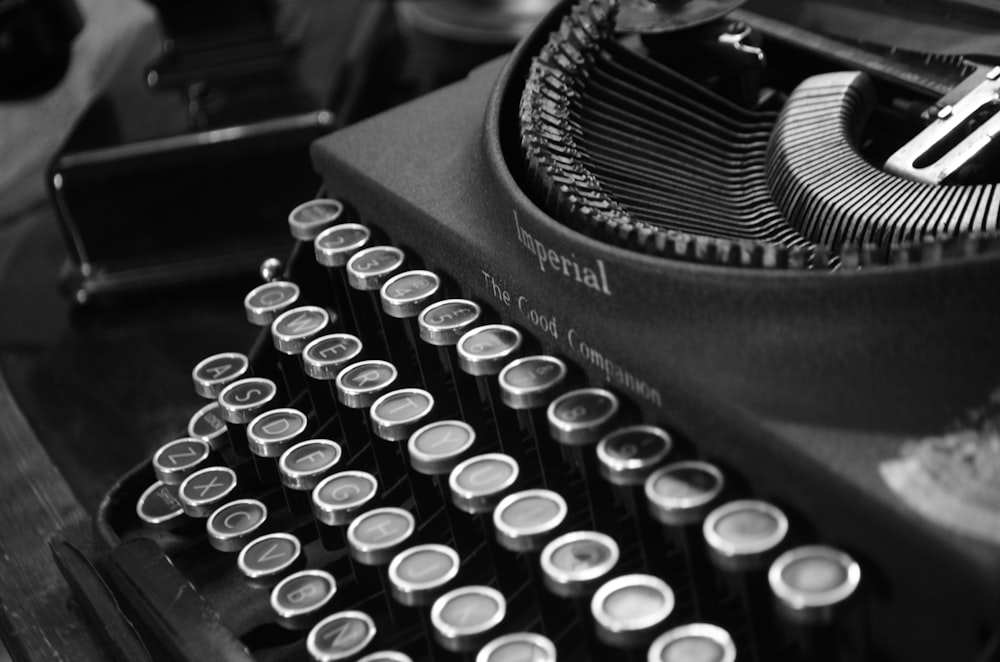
839	377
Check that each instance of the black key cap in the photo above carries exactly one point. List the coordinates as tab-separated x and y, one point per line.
235	524
467	617
272	433
340	636
265	302
269	557
338	499
212	373
300	599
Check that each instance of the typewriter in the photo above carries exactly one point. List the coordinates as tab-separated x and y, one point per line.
671	337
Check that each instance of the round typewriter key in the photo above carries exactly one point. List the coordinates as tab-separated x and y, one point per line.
406	294
245	398
159	507
265	302
326	356
810	582
375	537
386	656
207	424
335	246
628	455
293	329
299	598
683	493
525	521
270	556
178	459
204	490
360	385
575	563
397	414
445	322
305	464
582	416
418	575
233	525
479	483
310	218
628	610
518	647
340	636
340	498
271	433
486	349
694	642
214	372
438	447
465	617
744	534
370	268
531	381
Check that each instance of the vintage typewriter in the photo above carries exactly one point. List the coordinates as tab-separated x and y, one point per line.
671	337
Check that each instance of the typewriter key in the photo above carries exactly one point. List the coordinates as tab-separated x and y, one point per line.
481	482
295	328
300	598
695	642
526	520
335	246
371	267
485	350
627	456
386	656
518	646
178	459
211	374
206	489
361	384
531	381
207	424
439	447
340	636
233	525
575	563
445	322
466	617
310	218
159	507
811	582
582	416
376	536
273	432
268	557
406	294
265	302
339	498
628	610
419	575
398	414
326	356
744	535
305	464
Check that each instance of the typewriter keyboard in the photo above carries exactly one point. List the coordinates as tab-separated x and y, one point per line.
394	474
